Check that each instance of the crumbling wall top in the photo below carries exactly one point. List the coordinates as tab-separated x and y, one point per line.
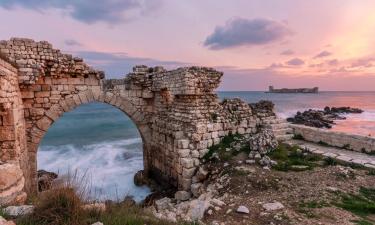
181	81
36	59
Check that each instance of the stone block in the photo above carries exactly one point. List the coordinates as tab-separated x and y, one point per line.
42	94
7	133
44	123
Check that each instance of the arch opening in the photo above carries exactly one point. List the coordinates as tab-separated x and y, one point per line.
97	141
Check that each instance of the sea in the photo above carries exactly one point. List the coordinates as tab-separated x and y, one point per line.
101	144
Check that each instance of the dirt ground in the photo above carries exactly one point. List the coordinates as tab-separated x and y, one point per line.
309	197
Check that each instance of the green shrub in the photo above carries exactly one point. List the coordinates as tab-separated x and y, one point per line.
224	150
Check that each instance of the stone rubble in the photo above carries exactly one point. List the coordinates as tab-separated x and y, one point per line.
243	209
273	206
21	210
97	223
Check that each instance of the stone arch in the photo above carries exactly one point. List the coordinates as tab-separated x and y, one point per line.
41	126
173	110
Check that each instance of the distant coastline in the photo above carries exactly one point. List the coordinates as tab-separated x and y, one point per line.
271	89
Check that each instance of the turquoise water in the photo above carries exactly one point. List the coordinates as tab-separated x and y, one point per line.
102	142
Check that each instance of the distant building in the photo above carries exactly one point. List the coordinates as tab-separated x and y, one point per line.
271	89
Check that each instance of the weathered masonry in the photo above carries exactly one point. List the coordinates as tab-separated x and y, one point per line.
176	112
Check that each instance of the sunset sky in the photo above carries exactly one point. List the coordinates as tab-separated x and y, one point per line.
257	43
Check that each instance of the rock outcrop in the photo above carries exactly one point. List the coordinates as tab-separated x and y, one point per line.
322	118
45	180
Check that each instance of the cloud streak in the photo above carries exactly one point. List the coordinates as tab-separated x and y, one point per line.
245	32
322	54
287	52
89	11
295	62
72	42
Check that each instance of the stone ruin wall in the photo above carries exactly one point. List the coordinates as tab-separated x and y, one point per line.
13	149
176	112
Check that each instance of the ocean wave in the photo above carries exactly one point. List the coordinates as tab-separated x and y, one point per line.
109	166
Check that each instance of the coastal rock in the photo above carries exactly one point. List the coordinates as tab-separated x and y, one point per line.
322	118
45	180
128	201
163	204
140	179
22	210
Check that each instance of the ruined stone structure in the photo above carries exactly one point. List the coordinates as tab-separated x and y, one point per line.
176	112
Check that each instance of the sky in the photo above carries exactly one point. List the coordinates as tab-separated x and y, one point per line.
256	43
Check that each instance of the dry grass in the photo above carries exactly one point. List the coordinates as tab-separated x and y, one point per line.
63	205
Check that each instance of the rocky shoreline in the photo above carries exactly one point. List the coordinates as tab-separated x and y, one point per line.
322	118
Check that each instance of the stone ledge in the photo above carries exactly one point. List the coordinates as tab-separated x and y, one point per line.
352	142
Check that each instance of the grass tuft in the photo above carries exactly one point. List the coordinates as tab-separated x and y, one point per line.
361	204
224	150
291	158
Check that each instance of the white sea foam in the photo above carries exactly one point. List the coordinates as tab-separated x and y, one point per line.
110	166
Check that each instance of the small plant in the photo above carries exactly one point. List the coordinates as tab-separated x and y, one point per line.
214	117
330	161
224	150
298	137
323	143
371	172
305	207
314	204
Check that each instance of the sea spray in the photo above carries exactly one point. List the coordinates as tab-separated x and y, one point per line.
110	166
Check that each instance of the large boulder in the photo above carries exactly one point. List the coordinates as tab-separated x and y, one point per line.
140	178
45	180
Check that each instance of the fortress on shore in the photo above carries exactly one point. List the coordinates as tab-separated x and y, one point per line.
271	89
